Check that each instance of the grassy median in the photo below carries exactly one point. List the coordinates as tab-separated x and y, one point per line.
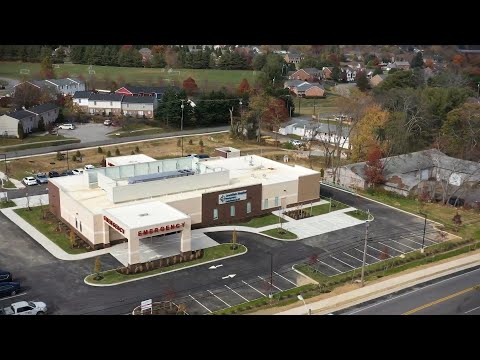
262	221
214	253
280	234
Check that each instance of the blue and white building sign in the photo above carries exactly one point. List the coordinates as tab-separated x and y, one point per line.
232	197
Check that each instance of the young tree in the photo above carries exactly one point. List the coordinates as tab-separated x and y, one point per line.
46	68
457	220
190	86
137	149
72	239
109	153
97	268
99	150
104	162
244	87
362	81
374	167
274	115
117	152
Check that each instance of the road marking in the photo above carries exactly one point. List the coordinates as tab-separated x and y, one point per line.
426	239
410	292
400	251
343	262
466	312
213	267
329	266
439	301
229	276
254	288
368	254
11	297
356	258
270	283
237	293
201	304
218	298
383	252
403	237
285	278
403	245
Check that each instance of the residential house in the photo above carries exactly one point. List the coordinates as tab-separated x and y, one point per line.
400	65
48	112
377	79
427	172
81	99
327	72
350	73
105	104
292	58
129	90
307	129
290	84
146	54
29	119
307	74
67	86
139	106
309	90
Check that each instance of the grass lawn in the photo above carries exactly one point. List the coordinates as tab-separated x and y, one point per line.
470	228
47	227
7	184
262	221
213	253
147	130
30	139
358	214
206	79
6	204
280	234
324	208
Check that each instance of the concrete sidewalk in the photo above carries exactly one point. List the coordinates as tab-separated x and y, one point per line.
385	287
15	182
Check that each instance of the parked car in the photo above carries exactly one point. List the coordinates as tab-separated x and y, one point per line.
89	167
458	202
107	122
67	126
9	288
29	181
78	171
52	174
25	308
296	142
5	276
67	173
42	178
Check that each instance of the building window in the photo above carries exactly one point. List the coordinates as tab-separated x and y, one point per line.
94	103
76	223
215	214
111	103
276	201
80	226
232	210
249	207
265	204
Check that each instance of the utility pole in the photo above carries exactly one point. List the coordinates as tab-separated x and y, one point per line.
68	166
181	123
182	146
271	274
365	249
424	230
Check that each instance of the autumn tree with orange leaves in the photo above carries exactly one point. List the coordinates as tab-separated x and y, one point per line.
275	114
244	87
374	167
190	86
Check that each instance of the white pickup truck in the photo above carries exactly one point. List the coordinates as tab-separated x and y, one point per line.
25	308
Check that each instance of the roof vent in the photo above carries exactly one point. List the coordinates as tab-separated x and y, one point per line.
144	214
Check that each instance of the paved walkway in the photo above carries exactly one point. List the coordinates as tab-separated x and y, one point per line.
17	183
378	289
35	200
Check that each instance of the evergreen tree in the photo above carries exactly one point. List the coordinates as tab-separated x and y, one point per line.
21	133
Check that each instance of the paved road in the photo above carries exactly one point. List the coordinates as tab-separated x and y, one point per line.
82	145
451	295
10	85
60	283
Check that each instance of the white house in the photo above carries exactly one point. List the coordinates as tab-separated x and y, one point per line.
9	122
139	106
48	112
81	99
66	86
105	104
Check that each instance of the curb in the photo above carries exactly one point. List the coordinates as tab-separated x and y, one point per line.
302	274
165	272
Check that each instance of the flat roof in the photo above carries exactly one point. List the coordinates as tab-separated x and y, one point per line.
129	159
244	171
146	214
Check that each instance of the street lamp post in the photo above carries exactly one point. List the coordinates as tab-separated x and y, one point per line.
424	230
365	249
300	297
271	276
478	91
181	123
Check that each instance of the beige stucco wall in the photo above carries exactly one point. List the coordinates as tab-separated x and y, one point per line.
191	207
271	191
71	209
309	187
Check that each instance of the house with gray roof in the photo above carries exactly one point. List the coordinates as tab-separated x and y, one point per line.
139	106
309	90
67	86
105	104
81	99
428	172
28	118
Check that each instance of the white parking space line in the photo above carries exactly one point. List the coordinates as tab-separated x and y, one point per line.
283	277
343	262
268	282
466	312
210	311
218	298
237	293
383	252
356	258
400	251
320	261
426	239
368	254
14	296
403	237
254	288
403	245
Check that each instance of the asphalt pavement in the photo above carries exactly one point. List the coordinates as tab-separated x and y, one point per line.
455	294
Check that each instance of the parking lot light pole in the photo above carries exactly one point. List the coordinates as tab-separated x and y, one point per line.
181	123
271	276
300	297
424	230
362	281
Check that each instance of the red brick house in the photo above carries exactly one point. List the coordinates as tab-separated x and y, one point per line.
309	90
308	74
327	72
129	90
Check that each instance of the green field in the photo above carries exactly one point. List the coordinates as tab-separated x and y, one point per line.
328	105
205	78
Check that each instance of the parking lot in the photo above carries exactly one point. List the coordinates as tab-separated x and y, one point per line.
348	259
88	132
235	292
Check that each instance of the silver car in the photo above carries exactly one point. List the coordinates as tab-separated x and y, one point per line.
41	178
